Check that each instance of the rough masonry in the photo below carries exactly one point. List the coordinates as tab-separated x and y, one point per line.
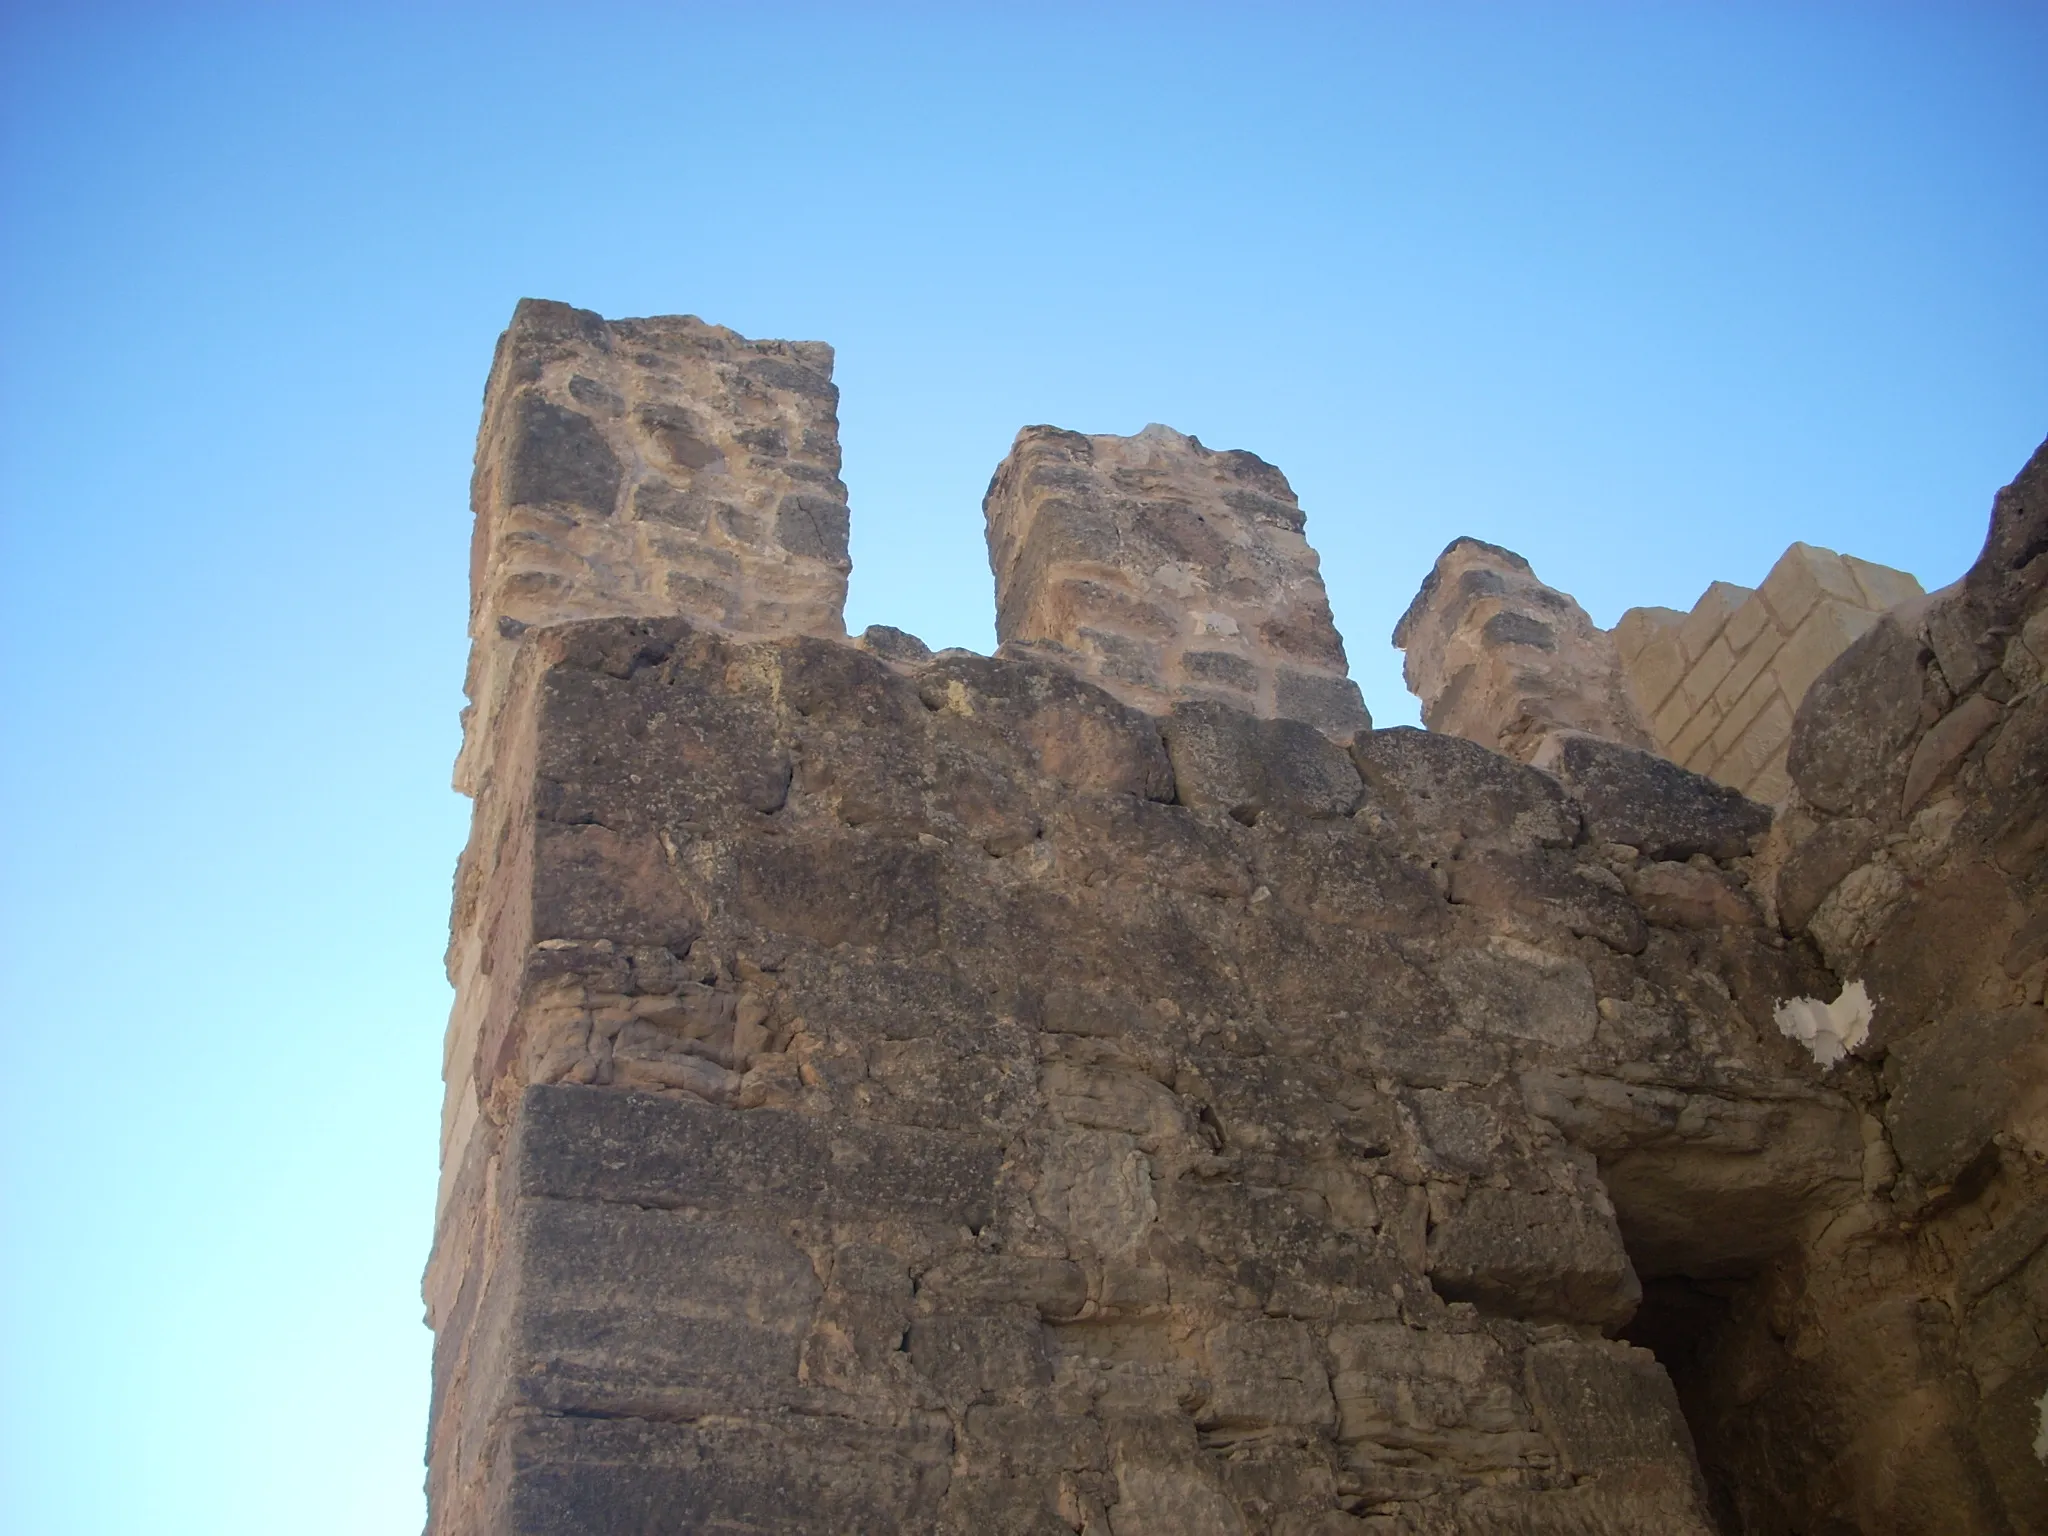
897	1091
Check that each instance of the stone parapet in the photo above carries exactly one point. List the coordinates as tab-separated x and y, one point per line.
1500	658
890	1090
1720	685
649	467
1164	571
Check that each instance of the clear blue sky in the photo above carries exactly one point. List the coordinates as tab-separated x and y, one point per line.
1643	291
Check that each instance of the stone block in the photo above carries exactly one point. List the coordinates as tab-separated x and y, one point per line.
1853	721
1750	664
1478	794
1709	616
1535	1256
1693	744
1332	704
1655	672
1882	587
563	1476
1266	1373
1226	760
1608	1406
1759	746
579	1143
1804	576
1640	626
626	1310
1820	863
1749	623
1741	713
1828	629
1654	805
1955	1084
980	1358
1166	571
1713	663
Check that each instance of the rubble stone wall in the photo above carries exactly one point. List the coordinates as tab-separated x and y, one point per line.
659	466
1162	570
1499	657
1719	685
927	1092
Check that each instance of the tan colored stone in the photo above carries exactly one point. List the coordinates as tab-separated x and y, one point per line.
1748	622
1164	571
1826	632
1498	657
1714	664
1709	615
1748	666
1882	586
1804	575
1640	626
1761	743
1743	711
1654	674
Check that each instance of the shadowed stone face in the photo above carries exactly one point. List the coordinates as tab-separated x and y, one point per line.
1164	571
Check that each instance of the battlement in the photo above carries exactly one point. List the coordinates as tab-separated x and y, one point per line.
1108	1087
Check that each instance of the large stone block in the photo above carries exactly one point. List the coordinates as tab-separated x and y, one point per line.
574	1476
1653	805
664	1152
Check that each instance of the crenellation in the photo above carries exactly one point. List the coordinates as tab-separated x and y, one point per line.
1498	657
1107	1087
650	467
1165	571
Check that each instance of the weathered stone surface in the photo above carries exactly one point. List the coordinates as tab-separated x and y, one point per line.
1857	719
1955	1086
897	1091
1165	571
656	467
1651	804
1501	659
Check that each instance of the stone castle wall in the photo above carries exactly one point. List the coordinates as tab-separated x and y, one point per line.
897	1091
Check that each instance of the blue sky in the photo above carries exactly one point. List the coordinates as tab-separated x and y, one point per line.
1644	292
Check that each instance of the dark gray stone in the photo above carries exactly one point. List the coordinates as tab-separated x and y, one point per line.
1518	629
1333	705
558	456
795	1473
1653	805
1820	864
580	1143
1224	759
1856	720
813	526
893	644
1434	779
1954	1084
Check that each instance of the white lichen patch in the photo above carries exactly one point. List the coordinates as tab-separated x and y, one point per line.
1829	1030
